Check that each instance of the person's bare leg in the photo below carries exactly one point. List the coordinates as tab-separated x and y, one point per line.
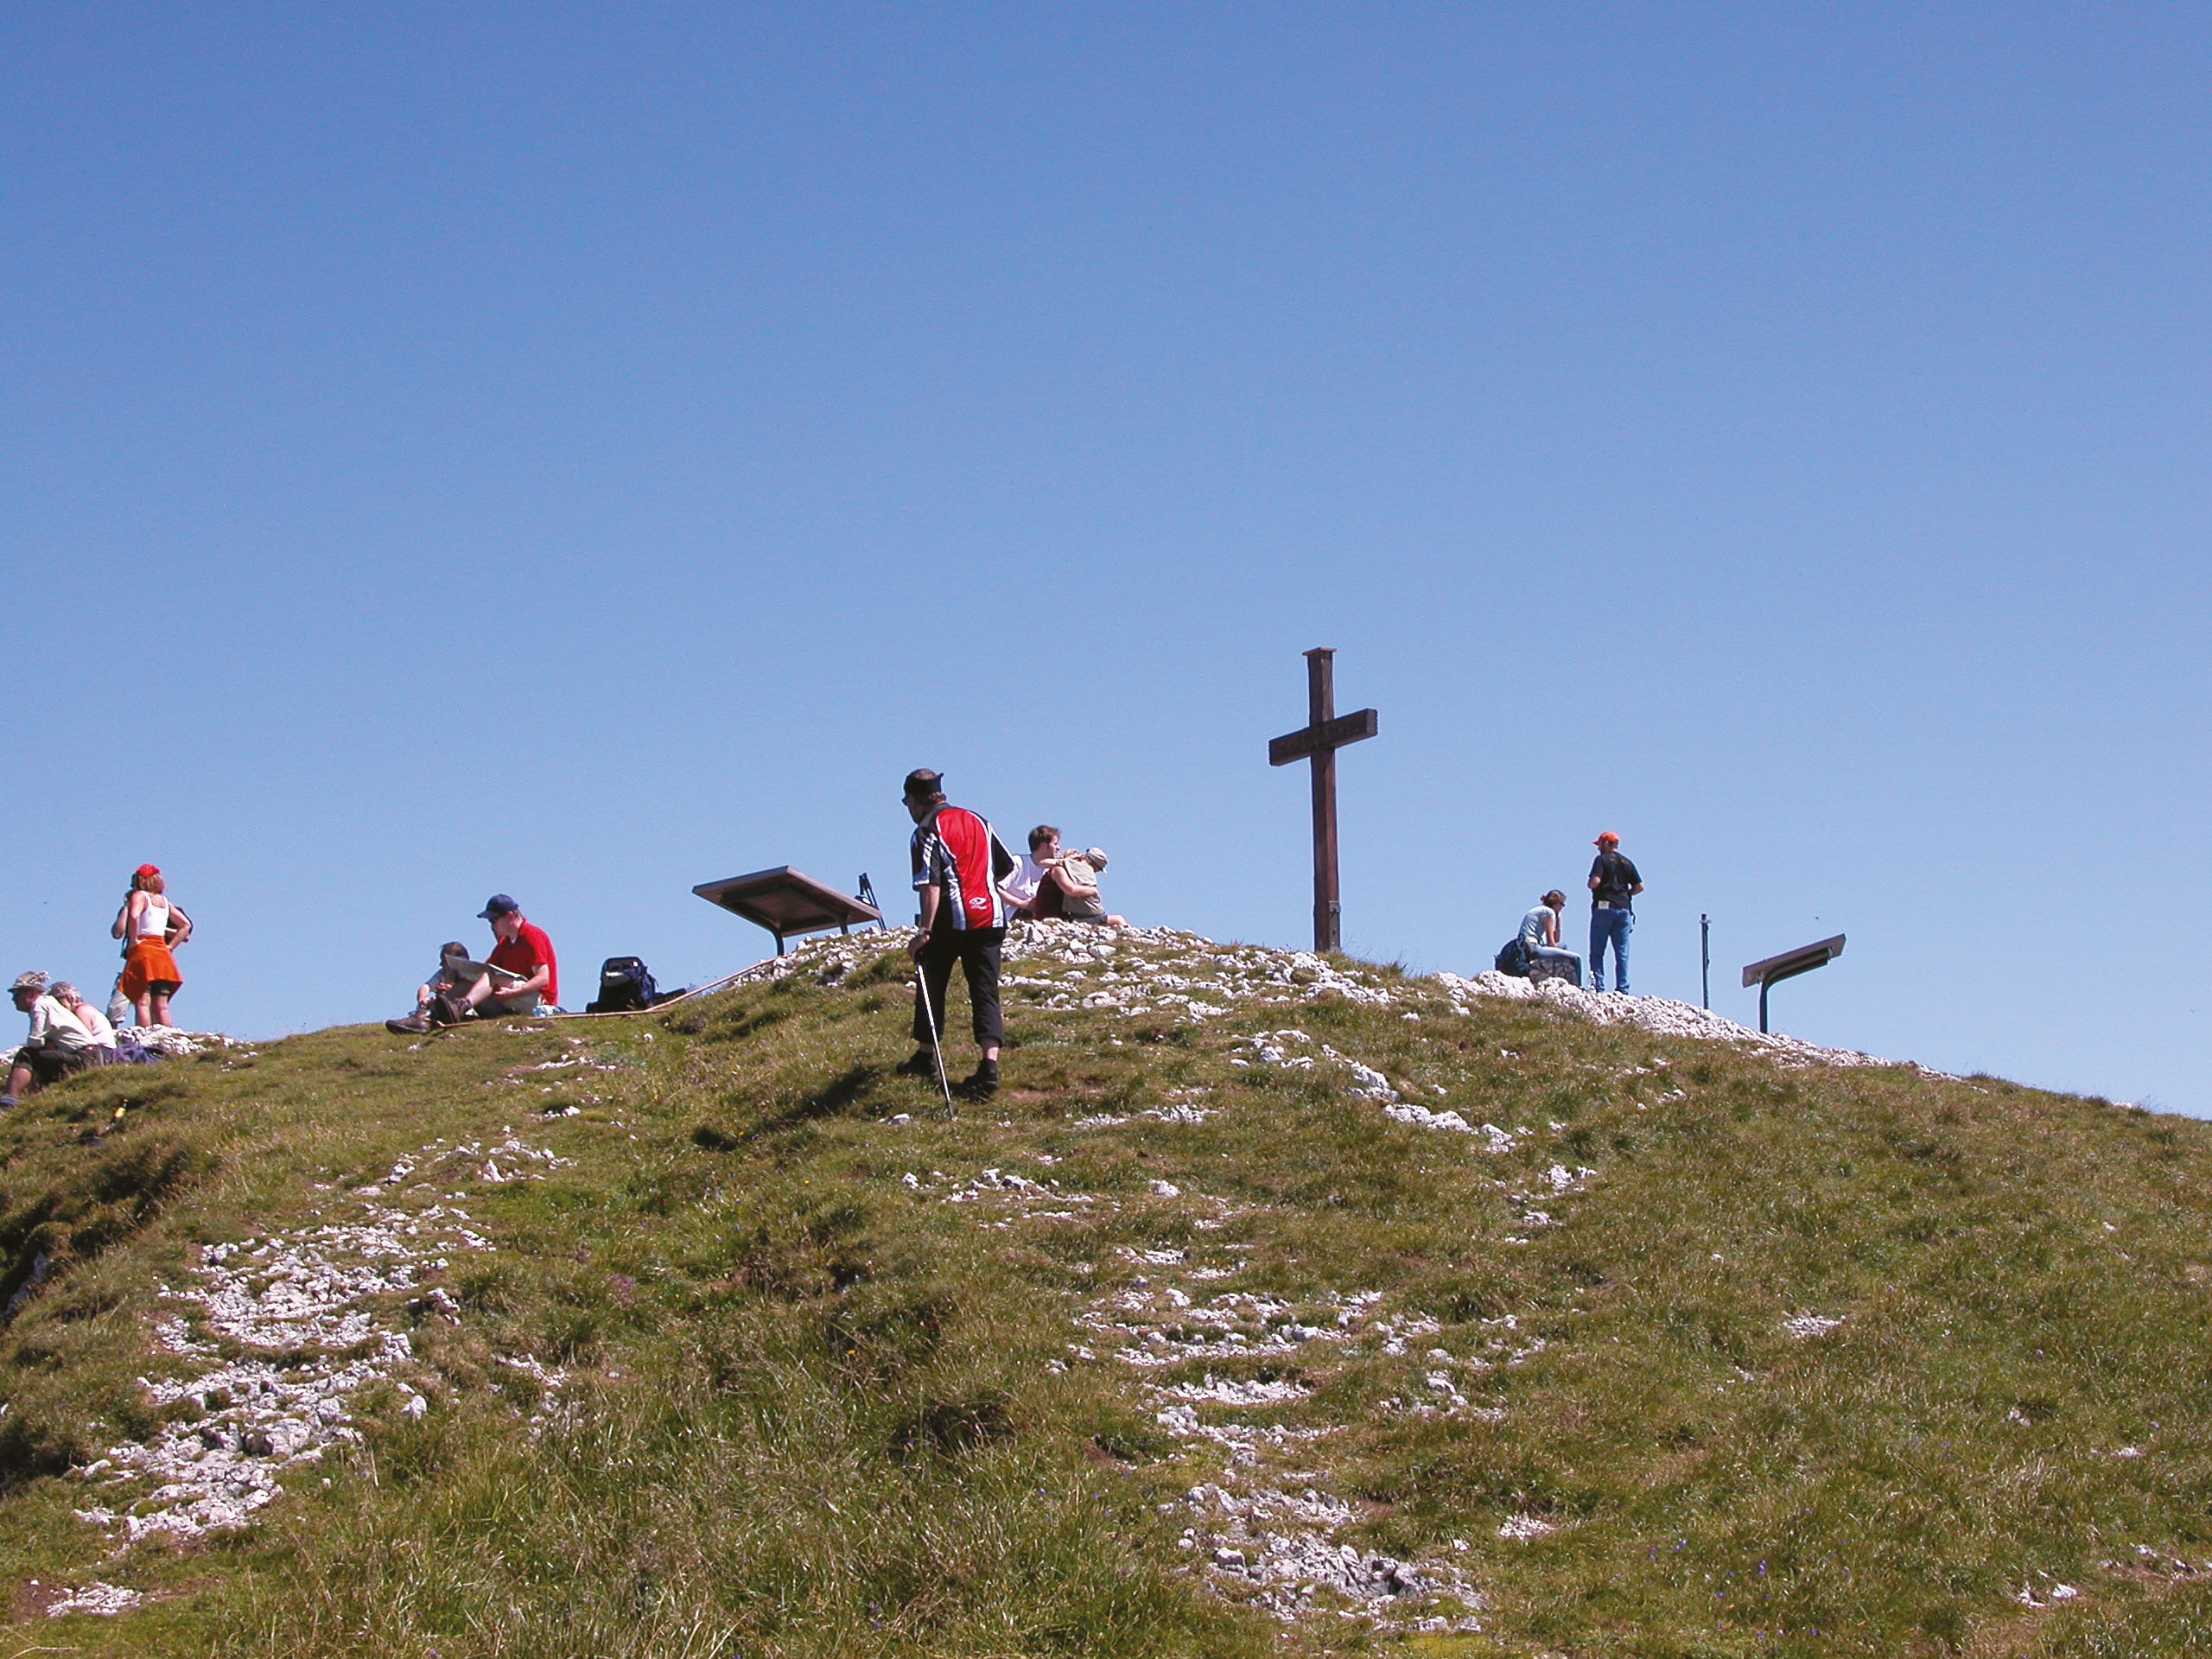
138	1006
19	1081
160	1002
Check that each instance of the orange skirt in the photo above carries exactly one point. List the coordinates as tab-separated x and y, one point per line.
149	964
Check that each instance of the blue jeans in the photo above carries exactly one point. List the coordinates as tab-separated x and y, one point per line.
1616	926
1553	953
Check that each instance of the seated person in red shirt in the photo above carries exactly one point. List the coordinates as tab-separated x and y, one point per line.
525	951
519	976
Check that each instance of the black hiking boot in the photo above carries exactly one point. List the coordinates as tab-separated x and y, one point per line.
447	1009
983	1083
922	1062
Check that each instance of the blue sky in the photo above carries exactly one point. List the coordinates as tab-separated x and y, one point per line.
585	451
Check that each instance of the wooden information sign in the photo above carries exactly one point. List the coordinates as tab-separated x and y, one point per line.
788	902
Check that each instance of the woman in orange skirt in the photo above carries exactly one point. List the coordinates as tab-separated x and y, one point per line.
150	927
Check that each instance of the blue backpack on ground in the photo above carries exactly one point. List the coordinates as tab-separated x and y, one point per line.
625	984
1513	958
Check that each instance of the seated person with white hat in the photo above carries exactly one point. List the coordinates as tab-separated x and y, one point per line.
62	1040
1049	885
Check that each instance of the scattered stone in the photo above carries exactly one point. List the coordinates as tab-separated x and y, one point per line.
106	1600
1659	1014
279	1335
1807	1325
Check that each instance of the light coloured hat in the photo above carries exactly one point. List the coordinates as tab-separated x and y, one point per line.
1095	857
63	990
33	980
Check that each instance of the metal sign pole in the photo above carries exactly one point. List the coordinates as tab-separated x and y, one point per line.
1705	954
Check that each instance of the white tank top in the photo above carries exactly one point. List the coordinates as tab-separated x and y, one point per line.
153	920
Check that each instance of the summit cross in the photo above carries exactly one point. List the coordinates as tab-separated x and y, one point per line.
1325	733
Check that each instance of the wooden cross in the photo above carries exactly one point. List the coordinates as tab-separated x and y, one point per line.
1323	735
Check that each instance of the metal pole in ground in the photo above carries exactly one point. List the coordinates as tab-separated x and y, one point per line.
1705	952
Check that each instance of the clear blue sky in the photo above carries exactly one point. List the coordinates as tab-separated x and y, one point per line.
583	452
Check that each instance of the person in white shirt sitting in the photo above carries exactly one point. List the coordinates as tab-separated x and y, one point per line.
1540	935
61	1041
1019	889
102	1028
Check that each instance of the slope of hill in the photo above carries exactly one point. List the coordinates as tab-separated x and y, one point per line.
1277	1305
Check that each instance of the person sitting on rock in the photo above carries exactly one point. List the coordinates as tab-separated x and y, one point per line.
1019	889
91	1019
1067	886
1540	936
60	1044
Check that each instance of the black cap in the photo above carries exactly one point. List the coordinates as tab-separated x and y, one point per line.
922	784
498	905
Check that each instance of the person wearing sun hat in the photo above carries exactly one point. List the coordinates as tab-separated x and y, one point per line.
151	926
59	1043
1613	887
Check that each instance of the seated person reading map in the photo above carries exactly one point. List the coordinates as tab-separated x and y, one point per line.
520	977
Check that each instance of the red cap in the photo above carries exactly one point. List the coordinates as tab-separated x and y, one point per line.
147	869
1613	835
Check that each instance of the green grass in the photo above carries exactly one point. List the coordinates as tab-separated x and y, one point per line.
812	1410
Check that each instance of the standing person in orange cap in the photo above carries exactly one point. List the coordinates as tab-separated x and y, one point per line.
150	927
1613	884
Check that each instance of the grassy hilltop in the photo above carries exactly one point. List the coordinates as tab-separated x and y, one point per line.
1277	1307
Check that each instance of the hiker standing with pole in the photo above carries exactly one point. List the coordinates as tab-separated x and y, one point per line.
957	863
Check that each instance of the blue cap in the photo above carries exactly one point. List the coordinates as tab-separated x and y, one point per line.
498	905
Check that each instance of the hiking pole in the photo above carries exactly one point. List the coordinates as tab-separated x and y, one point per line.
937	1047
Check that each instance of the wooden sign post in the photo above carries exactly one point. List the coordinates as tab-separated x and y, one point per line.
1323	735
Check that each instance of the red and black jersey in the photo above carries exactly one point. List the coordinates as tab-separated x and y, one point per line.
959	852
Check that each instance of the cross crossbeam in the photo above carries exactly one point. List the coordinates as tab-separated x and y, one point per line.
1330	735
1325	732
